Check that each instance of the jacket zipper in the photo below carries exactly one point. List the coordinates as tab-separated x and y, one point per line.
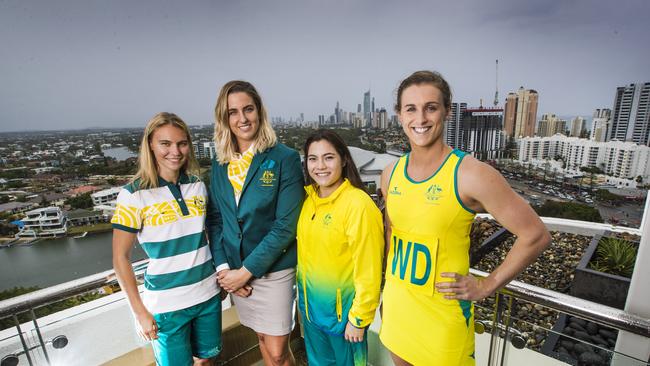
304	291
339	305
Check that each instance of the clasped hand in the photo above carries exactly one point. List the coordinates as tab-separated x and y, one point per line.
235	281
462	287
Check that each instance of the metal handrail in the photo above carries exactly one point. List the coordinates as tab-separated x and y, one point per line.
599	313
49	295
571	305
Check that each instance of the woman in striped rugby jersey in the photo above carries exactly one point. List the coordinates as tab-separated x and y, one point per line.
164	207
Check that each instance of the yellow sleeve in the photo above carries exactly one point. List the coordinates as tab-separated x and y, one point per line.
365	234
128	213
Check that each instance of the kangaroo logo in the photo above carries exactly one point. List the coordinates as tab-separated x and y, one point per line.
433	193
327	220
267	178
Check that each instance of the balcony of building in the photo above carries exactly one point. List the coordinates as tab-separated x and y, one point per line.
101	332
44	224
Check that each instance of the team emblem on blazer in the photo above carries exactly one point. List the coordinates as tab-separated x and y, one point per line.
268	177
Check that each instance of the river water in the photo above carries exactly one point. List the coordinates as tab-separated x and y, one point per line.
54	261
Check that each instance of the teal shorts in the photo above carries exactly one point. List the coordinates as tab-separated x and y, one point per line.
324	349
193	331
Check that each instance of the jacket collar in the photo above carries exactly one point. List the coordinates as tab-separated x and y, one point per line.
258	159
255	164
311	192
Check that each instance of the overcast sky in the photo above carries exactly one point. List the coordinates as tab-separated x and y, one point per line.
73	64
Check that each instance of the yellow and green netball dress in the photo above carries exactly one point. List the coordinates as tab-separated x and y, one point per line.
430	235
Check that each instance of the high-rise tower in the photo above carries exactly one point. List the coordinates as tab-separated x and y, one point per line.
496	85
382	119
550	124
453	125
510	115
482	132
577	125
366	107
631	114
600	124
337	113
521	113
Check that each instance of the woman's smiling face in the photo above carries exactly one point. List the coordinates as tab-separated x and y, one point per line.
243	119
422	114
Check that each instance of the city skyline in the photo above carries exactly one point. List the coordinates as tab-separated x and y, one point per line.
73	64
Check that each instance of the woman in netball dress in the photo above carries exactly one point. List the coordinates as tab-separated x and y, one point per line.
432	194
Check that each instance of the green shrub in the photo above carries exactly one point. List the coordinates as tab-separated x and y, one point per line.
614	256
569	210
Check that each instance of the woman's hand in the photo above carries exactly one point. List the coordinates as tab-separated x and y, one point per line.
146	326
233	279
244	291
353	334
463	287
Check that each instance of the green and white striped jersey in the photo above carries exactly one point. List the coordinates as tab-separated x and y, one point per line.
169	222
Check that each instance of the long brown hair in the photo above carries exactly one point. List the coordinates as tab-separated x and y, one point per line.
349	168
147	167
224	140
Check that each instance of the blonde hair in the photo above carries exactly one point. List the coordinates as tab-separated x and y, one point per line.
147	168
224	140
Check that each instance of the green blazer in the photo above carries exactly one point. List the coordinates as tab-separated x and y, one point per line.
260	233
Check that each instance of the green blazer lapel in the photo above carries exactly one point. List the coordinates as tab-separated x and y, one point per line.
228	191
255	164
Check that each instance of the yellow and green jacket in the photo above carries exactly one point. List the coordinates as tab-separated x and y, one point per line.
340	249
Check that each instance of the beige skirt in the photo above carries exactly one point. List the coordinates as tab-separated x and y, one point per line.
270	309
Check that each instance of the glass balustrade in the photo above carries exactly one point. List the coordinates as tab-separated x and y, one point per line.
520	325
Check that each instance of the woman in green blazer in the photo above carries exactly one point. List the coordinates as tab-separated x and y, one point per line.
256	193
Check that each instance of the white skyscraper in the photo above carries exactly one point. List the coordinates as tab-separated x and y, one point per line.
453	129
600	125
631	114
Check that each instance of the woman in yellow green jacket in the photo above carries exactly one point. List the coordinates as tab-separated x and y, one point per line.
340	249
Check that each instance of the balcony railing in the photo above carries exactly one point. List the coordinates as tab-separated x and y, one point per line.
101	331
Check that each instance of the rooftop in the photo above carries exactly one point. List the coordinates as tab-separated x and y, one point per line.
52	209
106	192
79	213
13	205
369	162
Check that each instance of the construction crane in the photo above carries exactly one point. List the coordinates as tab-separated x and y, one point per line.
496	84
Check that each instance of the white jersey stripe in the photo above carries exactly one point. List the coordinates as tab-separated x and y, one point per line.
181	297
188	226
179	262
